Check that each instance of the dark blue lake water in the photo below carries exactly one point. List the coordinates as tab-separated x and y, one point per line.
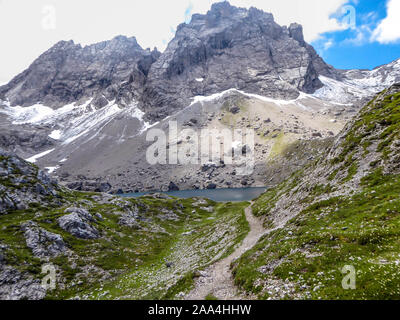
219	195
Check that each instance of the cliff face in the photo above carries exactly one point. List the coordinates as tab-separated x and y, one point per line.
66	73
231	47
227	48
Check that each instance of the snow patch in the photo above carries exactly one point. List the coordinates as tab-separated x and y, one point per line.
72	121
38	156
280	102
52	169
56	135
28	115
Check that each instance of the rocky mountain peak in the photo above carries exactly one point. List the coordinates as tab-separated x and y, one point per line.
231	47
296	32
67	73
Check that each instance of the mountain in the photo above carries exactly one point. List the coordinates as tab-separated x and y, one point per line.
228	48
342	210
112	70
359	85
83	112
104	247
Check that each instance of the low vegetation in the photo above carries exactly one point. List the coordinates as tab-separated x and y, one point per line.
345	216
156	257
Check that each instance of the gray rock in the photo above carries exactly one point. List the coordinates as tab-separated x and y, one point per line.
44	244
173	187
17	286
130	218
78	224
110	70
279	63
25	185
234	109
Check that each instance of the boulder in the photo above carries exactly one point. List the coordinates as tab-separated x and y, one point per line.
44	244
78	224
173	187
211	186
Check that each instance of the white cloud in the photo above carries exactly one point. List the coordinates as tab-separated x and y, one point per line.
362	35
328	44
151	21
388	29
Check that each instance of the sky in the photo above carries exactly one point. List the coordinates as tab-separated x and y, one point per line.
346	33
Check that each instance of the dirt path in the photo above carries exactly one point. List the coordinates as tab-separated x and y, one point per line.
217	279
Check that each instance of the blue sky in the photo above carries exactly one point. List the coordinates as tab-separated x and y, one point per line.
360	46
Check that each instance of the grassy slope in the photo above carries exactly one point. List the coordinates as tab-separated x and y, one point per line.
361	229
122	263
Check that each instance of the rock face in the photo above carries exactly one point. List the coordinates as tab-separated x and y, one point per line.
29	185
231	47
130	218
227	48
16	286
78	224
66	73
44	244
21	139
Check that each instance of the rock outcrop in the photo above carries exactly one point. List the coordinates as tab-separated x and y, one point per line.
29	184
44	244
78	223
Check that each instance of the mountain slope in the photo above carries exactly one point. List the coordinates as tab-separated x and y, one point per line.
343	210
358	85
105	247
83	113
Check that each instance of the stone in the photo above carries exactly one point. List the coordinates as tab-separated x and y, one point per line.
234	109
43	243
15	285
173	187
78	224
317	135
211	186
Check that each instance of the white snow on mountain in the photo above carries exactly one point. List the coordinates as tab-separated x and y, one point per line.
279	102
52	169
359	83
56	134
72	121
38	156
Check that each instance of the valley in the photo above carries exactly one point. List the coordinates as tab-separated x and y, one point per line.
313	202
